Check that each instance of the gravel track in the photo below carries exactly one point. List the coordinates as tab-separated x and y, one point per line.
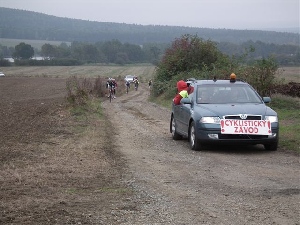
219	185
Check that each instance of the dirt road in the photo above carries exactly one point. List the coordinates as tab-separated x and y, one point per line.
126	169
175	185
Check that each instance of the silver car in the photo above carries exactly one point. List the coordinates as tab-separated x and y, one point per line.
129	78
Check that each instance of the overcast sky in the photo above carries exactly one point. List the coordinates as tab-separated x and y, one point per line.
229	14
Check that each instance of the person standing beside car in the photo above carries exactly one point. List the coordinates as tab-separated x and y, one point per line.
182	89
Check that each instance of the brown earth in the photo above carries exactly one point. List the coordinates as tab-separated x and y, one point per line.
291	89
125	168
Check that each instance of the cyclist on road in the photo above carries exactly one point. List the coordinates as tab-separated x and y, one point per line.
136	83
127	84
112	84
150	84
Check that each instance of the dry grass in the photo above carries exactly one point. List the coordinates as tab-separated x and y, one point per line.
55	168
289	74
144	72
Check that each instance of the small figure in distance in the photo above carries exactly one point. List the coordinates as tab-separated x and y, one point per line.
150	84
136	83
127	84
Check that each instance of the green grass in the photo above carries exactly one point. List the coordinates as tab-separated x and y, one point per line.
83	114
167	103
288	110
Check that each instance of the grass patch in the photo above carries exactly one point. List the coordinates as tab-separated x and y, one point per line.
85	114
167	103
288	109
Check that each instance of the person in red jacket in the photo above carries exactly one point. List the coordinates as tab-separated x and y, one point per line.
182	92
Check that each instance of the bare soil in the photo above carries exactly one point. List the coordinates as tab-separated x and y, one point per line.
124	168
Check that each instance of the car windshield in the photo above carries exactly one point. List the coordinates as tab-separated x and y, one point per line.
226	93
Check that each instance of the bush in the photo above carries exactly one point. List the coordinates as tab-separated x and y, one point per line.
78	90
99	87
261	75
186	54
190	56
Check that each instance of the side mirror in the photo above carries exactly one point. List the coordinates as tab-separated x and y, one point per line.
266	99
186	101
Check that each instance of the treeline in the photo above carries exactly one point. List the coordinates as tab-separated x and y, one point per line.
21	24
82	53
116	52
284	55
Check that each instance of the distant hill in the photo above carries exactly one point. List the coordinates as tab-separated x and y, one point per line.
22	24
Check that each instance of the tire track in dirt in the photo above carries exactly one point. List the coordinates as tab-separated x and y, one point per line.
220	185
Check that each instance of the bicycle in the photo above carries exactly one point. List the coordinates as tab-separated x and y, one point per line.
110	93
127	87
136	85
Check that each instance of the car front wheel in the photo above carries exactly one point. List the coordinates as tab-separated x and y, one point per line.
175	135
194	142
272	146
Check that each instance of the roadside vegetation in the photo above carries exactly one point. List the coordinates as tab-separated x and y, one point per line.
288	109
181	61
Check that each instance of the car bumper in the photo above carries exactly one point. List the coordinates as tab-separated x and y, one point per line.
215	136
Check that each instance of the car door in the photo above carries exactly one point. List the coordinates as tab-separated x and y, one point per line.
186	111
183	113
177	110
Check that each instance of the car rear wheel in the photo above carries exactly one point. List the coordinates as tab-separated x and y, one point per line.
194	142
175	135
272	146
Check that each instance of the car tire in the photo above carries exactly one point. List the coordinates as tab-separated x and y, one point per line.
194	142
271	147
175	135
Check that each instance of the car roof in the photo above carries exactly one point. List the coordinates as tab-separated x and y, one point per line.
215	81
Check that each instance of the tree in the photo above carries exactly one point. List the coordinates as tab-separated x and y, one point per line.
48	50
134	52
90	53
188	53
111	49
23	51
